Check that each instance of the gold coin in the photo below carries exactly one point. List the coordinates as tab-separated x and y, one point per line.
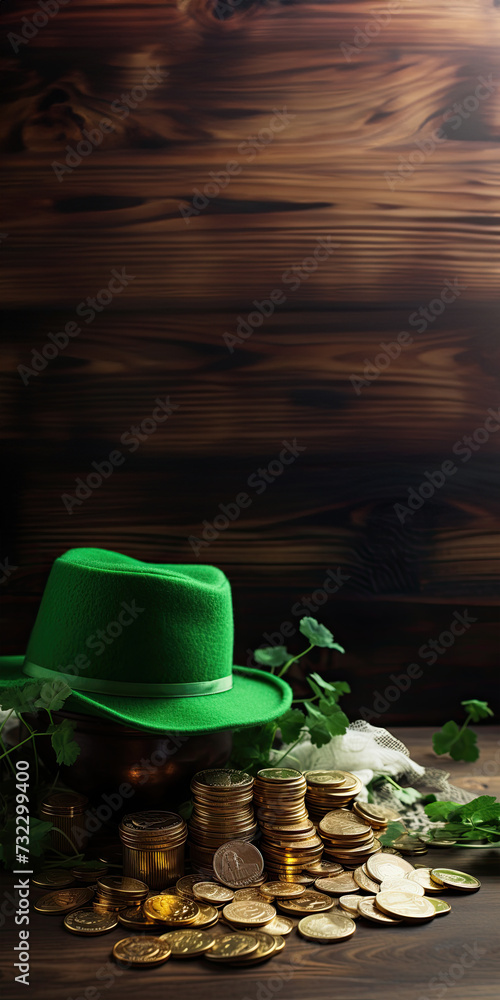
319	868
344	824
223	778
381	866
368	909
88	922
188	943
280	942
279	925
134	918
171	909
350	905
184	886
422	876
333	778
230	946
267	945
455	879
120	885
404	905
326	927
337	885
207	917
403	884
270	890
310	902
63	900
238	864
249	913
440	906
141	951
279	774
364	881
53	878
253	892
210	892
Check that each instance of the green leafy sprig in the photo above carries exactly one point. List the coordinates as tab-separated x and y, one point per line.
478	820
461	742
319	720
31	698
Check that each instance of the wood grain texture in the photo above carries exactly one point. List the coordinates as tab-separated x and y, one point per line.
384	963
333	134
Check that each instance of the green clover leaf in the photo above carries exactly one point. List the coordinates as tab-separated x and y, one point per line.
477	709
318	635
272	656
53	694
65	746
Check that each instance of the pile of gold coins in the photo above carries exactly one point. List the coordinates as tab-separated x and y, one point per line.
222	811
116	891
186	921
347	838
289	840
328	790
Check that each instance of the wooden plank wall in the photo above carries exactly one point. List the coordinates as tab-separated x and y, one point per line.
327	113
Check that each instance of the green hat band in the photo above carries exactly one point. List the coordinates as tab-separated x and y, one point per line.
129	688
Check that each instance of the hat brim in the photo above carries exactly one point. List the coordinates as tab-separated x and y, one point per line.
256	697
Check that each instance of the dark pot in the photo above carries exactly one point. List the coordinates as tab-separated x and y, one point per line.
134	769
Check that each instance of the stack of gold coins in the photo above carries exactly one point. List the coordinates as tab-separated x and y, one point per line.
289	841
65	810
153	847
222	812
327	790
347	838
114	892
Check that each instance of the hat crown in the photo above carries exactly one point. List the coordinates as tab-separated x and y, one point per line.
110	617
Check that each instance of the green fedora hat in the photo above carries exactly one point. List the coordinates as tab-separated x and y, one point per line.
144	644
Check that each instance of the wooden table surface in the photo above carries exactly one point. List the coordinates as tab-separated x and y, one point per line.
455	955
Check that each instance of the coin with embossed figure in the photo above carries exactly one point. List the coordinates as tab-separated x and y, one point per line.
422	877
350	905
53	878
231	946
238	864
141	951
337	885
267	945
273	890
249	913
88	923
404	905
211	892
188	943
171	909
207	917
367	908
323	868
184	886
326	927
454	879
381	867
310	902
63	900
134	918
280	925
